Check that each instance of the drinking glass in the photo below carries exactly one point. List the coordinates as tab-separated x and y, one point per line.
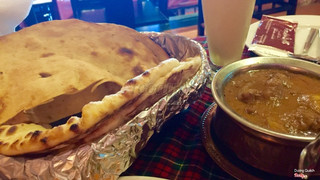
226	26
12	13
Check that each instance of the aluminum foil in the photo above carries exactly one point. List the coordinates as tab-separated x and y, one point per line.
113	153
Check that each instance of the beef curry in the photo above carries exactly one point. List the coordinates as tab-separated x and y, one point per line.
276	99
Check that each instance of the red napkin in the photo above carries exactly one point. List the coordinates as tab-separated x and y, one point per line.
275	32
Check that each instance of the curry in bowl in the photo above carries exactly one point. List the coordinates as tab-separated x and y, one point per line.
268	111
276	99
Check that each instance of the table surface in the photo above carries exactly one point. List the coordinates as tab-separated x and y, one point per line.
177	151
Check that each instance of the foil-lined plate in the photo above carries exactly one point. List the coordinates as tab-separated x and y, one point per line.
112	154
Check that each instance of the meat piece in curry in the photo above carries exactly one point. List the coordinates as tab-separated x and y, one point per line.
276	99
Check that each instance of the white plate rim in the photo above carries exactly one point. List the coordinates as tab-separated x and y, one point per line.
303	21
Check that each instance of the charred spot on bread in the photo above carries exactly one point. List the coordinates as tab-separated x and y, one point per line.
137	70
35	134
44	74
11	130
44	55
126	51
146	73
44	140
75	128
131	82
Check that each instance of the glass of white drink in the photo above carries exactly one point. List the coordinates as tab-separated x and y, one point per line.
12	13
226	25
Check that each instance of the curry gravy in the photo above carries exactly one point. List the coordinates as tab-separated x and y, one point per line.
276	99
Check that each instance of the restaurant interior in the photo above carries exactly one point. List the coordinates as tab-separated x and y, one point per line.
191	139
176	16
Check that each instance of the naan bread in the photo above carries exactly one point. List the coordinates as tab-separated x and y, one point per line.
64	57
60	68
102	116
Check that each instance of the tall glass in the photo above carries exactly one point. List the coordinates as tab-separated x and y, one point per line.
226	25
12	13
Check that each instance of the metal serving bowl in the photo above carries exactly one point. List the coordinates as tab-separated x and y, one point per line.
261	148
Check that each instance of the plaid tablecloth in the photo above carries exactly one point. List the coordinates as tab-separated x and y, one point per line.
177	151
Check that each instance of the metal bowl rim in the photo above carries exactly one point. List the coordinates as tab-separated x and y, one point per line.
257	62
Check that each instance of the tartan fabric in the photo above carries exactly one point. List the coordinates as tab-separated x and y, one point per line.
177	151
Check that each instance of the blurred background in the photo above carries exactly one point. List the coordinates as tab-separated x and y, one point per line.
182	17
